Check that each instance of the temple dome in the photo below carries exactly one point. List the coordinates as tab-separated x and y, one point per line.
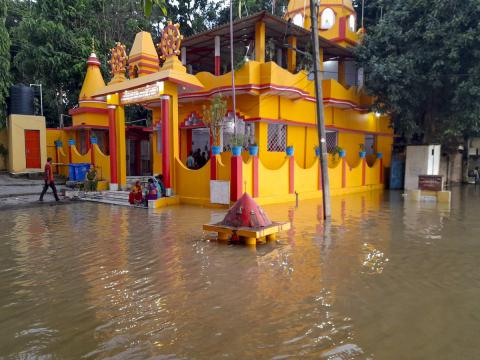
246	213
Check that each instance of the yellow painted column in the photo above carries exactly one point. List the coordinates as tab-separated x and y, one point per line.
121	148
292	54
260	41
342	78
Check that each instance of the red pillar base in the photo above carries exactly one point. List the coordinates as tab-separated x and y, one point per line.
112	143
236	178
255	175
291	174
165	100
213	167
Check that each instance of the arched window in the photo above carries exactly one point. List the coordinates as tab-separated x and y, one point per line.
352	23
298	20
327	19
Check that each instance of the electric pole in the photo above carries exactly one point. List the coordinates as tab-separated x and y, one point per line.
327	210
233	71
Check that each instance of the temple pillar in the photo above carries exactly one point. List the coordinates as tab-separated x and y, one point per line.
236	178
217	55
112	144
121	147
166	145
260	42
292	54
255	176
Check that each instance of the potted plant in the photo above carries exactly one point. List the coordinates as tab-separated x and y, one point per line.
253	149
214	116
338	151
58	143
289	150
362	151
379	155
93	139
237	144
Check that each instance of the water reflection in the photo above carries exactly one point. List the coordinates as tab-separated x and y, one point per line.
93	281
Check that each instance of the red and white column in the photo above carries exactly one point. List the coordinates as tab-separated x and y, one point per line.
344	172
236	178
213	167
217	55
166	138
112	145
255	175
291	174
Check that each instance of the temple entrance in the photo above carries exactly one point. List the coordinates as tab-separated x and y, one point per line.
139	155
201	140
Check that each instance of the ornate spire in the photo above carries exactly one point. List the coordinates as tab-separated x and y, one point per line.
118	63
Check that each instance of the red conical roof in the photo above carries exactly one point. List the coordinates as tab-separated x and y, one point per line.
246	213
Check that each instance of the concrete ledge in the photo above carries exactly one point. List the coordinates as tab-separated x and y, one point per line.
162	202
444	196
438	196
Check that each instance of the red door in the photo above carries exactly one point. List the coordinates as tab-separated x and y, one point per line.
32	149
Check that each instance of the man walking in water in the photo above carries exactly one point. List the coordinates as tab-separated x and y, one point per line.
49	180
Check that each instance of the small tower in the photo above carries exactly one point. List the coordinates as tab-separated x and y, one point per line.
337	20
92	83
143	58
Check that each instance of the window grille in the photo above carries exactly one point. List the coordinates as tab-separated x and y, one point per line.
370	144
332	141
277	137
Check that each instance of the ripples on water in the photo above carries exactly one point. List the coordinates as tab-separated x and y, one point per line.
386	279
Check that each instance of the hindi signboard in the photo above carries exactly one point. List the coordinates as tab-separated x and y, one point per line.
430	182
142	94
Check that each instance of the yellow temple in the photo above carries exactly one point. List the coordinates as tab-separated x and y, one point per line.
275	112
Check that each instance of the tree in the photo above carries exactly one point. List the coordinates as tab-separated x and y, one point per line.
53	39
422	62
5	78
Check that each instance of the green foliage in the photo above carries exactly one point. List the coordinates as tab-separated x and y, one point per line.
148	5
5	78
238	140
422	63
51	39
214	116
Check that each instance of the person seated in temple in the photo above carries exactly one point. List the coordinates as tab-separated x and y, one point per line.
152	192
196	157
161	186
190	160
135	197
91	179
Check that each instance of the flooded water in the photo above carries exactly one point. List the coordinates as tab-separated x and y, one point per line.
386	279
